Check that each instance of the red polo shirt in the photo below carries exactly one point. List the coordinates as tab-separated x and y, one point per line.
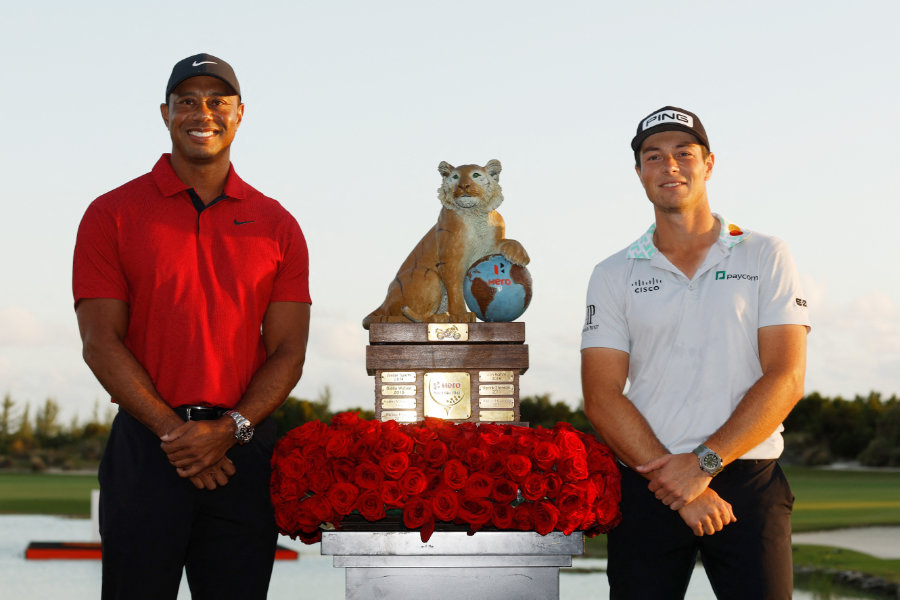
197	284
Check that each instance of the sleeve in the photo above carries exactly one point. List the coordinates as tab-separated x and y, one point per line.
96	268
292	280
781	297
605	324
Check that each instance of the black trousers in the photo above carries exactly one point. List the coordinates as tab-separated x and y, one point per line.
154	524
652	552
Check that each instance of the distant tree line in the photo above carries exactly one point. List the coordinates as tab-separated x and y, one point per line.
819	430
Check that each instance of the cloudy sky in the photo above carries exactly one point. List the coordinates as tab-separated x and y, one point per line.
350	106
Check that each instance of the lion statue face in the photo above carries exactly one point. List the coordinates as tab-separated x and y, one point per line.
471	187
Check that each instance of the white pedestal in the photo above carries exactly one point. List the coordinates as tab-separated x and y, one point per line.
489	565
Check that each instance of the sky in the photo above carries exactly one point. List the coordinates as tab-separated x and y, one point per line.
351	106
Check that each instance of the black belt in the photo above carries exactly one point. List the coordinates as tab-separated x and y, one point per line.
200	413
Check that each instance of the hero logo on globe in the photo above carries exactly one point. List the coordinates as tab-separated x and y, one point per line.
663	117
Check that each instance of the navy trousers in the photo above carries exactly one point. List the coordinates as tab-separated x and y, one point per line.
652	552
154	524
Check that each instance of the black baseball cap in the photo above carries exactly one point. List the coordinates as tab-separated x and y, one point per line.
668	118
202	64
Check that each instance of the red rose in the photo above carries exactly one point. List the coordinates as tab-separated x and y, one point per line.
435	453
413	481
369	505
339	444
552	483
392	494
502	516
313	511
525	443
288	487
475	511
342	469
567	440
545	517
320	480
572	507
394	465
573	468
348	420
475	457
368	476
494	466
533	487
445	504
343	497
398	441
504	491
478	485
518	466
490	433
545	455
421	433
523	517
455	474
416	512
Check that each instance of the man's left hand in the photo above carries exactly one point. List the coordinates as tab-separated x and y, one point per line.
198	445
677	478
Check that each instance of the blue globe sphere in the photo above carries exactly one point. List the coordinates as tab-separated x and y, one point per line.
497	290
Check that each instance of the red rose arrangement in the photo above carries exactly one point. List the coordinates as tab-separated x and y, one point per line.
487	475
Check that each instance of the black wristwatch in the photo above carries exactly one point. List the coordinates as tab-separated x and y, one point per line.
710	462
244	431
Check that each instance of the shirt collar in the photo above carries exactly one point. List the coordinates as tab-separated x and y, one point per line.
730	235
169	184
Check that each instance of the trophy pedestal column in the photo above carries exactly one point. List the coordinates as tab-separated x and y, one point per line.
490	565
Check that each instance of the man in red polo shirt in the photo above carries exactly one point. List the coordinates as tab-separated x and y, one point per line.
192	297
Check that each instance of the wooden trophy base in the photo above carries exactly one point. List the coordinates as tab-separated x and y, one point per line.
455	371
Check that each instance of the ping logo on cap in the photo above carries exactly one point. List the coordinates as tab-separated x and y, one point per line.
667	116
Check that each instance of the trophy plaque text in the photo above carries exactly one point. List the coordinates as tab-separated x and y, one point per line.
454	371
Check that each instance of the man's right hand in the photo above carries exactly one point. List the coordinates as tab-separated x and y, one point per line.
215	476
707	513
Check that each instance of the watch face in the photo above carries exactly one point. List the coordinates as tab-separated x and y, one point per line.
245	434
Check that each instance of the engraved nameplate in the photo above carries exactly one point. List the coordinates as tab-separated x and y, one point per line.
490	402
497	415
447	395
401	416
501	389
448	332
398	390
496	376
398	377
394	403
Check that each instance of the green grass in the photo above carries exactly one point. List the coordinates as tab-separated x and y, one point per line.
826	499
839	559
46	494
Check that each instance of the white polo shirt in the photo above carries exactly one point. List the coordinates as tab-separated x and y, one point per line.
692	343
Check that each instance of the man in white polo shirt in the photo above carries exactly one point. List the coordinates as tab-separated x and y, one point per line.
707	323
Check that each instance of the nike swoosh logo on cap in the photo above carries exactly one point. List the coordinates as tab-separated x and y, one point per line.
204	62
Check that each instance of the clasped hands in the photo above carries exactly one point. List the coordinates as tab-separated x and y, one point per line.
197	451
679	483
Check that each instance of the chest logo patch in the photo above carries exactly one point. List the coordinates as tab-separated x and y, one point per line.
645	286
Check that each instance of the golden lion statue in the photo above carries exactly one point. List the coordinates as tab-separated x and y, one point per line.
429	284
